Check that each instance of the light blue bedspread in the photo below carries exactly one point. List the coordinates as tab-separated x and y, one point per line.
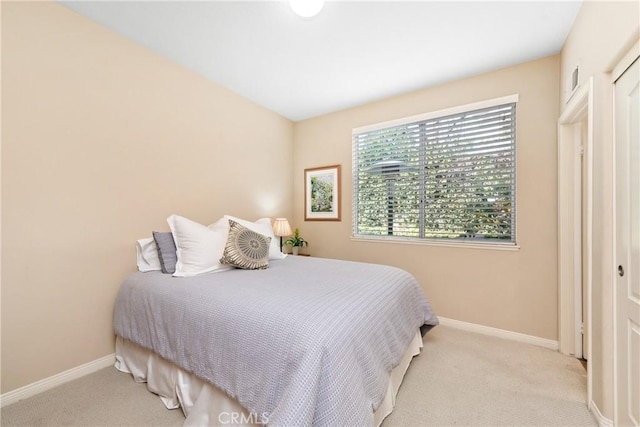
309	341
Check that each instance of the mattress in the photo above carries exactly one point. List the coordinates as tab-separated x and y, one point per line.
308	341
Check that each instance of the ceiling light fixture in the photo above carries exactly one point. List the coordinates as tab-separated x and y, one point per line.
306	8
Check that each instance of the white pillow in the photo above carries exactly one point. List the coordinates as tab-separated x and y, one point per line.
198	247
264	227
147	254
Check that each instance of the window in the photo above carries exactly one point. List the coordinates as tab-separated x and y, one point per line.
448	176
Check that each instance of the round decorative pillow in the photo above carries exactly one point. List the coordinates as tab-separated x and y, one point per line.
245	248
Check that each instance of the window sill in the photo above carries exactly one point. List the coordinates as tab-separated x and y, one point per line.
429	242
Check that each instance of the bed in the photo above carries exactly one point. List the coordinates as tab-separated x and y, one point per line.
308	341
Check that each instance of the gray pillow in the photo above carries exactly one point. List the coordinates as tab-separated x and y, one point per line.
245	248
166	251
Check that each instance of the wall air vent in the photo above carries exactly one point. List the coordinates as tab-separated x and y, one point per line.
574	82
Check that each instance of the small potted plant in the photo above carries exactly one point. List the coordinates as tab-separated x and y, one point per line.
296	242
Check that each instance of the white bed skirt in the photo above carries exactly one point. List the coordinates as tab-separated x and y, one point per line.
202	403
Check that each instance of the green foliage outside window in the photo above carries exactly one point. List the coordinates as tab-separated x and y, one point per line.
413	181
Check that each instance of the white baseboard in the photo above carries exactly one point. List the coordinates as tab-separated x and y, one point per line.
501	333
601	419
56	380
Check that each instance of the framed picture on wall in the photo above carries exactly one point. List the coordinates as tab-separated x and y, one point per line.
322	193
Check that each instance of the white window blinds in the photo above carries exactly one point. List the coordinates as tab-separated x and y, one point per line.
450	177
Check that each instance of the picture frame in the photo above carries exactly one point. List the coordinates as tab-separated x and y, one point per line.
322	193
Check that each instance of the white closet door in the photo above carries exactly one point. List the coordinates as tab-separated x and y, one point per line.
627	229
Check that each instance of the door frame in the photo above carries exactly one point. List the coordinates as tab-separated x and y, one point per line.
616	73
572	144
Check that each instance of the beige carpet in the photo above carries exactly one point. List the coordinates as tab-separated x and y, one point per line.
461	378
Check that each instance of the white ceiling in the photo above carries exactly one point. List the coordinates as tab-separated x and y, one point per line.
350	54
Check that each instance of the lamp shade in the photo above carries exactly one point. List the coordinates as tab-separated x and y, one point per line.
281	227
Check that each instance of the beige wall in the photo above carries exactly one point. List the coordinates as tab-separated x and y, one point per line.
602	32
512	290
101	141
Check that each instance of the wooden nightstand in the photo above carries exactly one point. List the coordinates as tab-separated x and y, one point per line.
299	254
